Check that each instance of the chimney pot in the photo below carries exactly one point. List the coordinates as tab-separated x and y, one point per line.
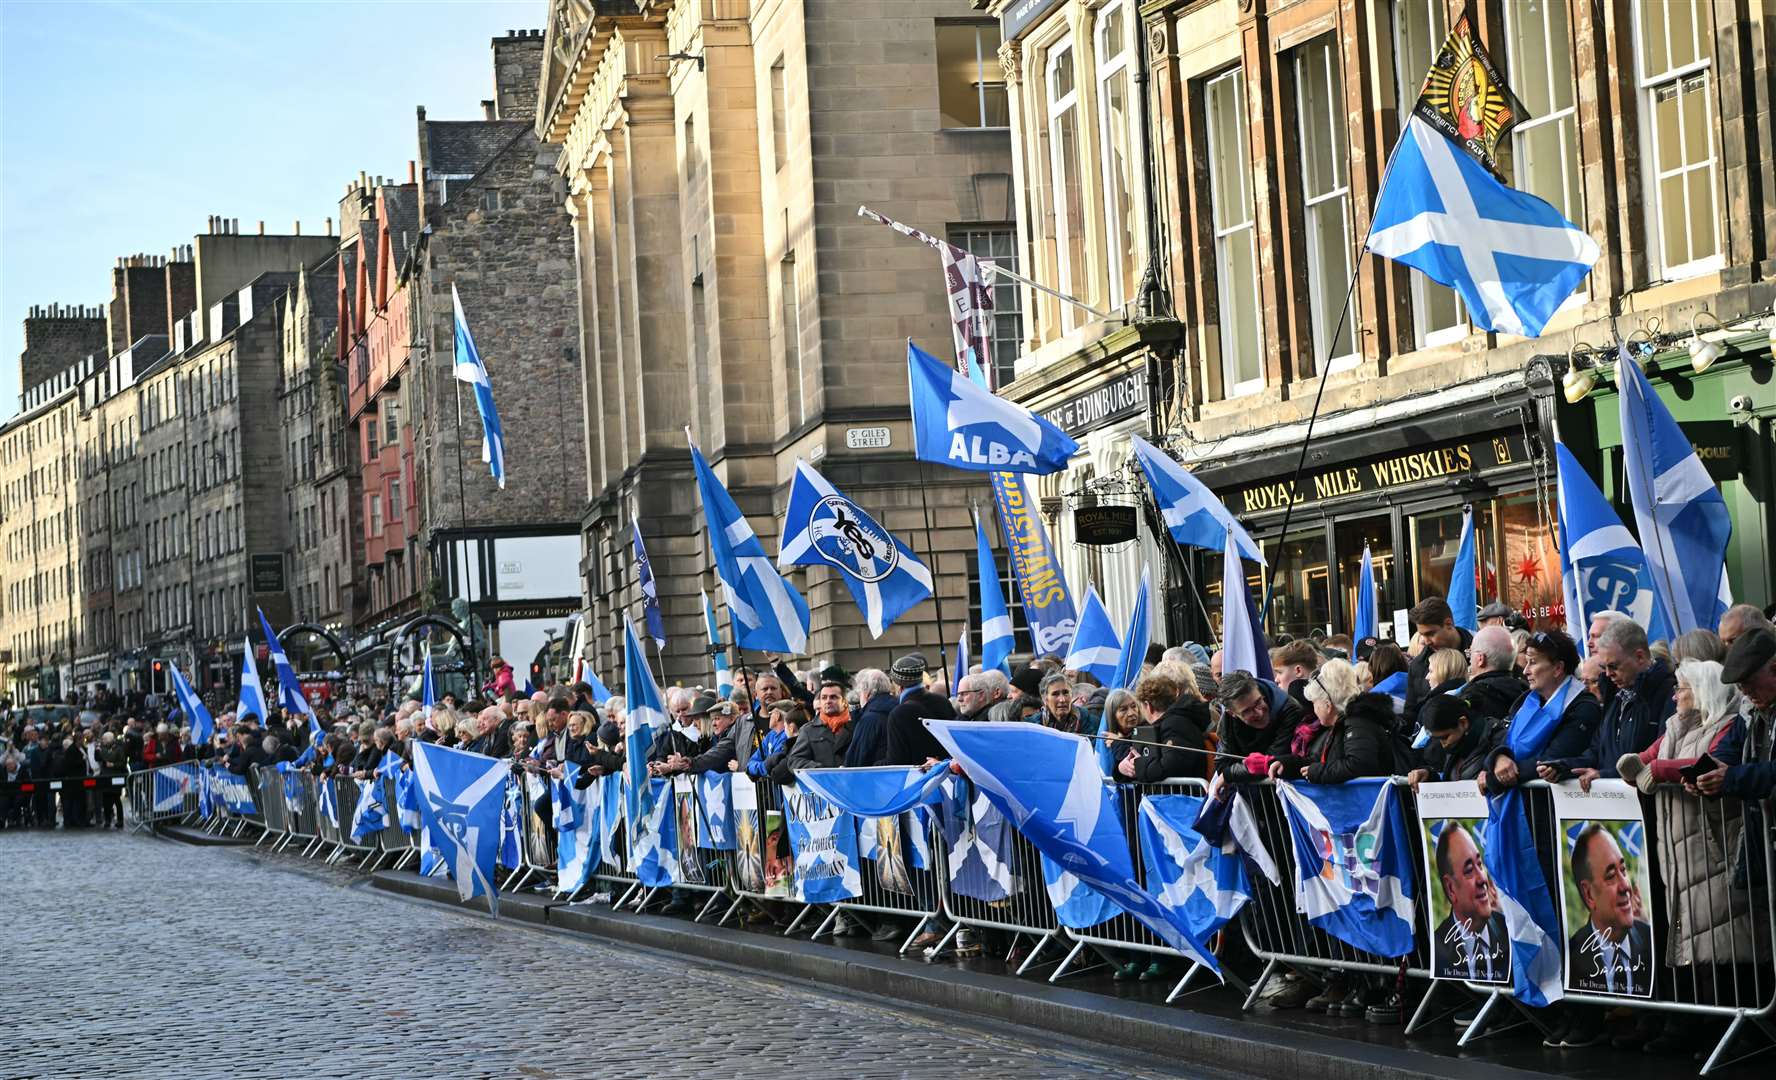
262	228
329	226
412	167
487	110
298	226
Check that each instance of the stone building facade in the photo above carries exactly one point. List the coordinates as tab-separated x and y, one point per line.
727	283
40	493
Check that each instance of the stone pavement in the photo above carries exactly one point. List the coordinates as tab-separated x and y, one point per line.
145	958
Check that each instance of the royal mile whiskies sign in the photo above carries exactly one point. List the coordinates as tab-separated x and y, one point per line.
1449	462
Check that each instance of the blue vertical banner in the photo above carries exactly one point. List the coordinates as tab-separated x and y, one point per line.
1462	596
1048	604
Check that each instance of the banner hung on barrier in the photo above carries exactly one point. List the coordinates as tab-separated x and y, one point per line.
824	841
1353	862
983	855
1469	938
892	842
1605	889
1187	873
715	826
171	785
687	812
653	835
576	846
609	797
235	792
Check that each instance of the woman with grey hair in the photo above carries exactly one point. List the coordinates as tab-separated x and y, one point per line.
869	732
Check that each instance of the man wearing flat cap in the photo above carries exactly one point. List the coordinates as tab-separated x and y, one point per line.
1751	666
1494	614
731	734
909	743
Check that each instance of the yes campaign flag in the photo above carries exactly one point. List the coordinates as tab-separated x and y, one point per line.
1523	897
1184	870
1353	862
1602	567
824	841
235	792
576	847
461	796
965	426
824	528
1048	783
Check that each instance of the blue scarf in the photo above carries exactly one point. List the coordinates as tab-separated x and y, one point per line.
1535	721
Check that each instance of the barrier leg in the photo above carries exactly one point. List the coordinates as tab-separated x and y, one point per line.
714	899
1060	972
1419	1019
1258	987
918	928
1030	961
728	914
627	893
1715	1057
831	917
797	922
937	950
1477	1029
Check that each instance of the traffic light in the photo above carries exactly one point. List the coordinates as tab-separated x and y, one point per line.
157	678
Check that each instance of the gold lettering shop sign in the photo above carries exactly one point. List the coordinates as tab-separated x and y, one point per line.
1382	474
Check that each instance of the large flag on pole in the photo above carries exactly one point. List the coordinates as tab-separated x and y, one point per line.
650	591
252	691
471	370
651	852
1096	648
202	725
290	695
1602	568
1365	622
1192	513
997	637
965	426
1443	210
768	613
1134	642
724	679
461	795
1243	647
1462	595
1680	514
428	689
824	528
1048	783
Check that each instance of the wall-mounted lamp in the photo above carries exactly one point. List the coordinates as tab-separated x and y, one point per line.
697	57
1705	351
1581	374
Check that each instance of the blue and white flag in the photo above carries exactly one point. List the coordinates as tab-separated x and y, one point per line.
470	369
1523	897
1602	568
653	835
1243	647
1353	862
1096	649
461	797
203	726
823	839
650	590
235	792
1204	882
1076	904
1394	688
1041	581
715	817
511	855
724	679
824	528
252	691
576	847
294	797
1365	623
290	696
428	689
767	612
1134	641
1048	783
997	637
877	791
172	783
1462	598
1535	722
980	840
1192	513
1681	516
329	801
609	798
965	426
368	816
600	692
962	661
406	799
1512	257
652	827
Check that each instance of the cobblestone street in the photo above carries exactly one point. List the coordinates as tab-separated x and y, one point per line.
138	957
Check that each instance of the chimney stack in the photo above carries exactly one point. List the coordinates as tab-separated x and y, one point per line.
412	172
487	111
298	227
329	226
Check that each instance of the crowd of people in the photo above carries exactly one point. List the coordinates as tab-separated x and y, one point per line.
1439	708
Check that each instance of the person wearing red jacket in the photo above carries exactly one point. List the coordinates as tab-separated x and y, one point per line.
163	749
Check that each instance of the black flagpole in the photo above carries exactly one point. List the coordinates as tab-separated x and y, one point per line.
943	652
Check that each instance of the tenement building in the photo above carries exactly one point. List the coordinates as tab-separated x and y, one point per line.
715	155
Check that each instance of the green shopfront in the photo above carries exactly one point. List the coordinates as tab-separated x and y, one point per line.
1729	414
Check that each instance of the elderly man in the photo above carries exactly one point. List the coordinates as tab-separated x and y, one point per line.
1636	715
1471	942
731	737
908	742
1751	666
1613	952
978	693
1495	614
1493	684
1739	620
869	730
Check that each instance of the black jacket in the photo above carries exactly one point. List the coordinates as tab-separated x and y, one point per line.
1493	693
673	741
819	747
1237	738
1472	756
1635	717
869	732
734	744
908	742
1185	724
1418	679
1573	734
1360	744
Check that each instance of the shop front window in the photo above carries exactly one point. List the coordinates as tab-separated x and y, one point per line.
1436	538
1378	533
1513	552
1301	600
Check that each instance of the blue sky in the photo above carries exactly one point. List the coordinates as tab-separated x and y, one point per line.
125	125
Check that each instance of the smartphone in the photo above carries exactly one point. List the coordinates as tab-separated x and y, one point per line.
1561	772
1704	764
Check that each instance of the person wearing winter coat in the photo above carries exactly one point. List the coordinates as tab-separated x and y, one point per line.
821	742
1353	739
1259	721
1492	686
1463	736
1555	718
869	732
1635	717
1180	718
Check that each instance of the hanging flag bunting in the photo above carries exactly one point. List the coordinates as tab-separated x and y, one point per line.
471	370
824	528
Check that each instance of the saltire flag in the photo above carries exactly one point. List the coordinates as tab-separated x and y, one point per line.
461	796
1602	568
980	840
1076	904
997	637
715	819
1230	824
1096	648
652	830
610	817
962	661
1523	897
1353	862
965	426
823	839
406	796
1047	782
875	791
252	691
1243	647
290	696
576	847
1366	621
650	590
202	725
172	783
1463	598
329	801
1134	642
1192	513
1188	873
767	612
206	792
1394	688
428	690
511	805
470	369
1681	516
824	528
724	679
653	836
369	816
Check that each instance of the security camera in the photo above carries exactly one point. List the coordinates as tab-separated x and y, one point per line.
1740	403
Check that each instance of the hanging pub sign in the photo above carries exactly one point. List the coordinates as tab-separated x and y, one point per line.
1104	525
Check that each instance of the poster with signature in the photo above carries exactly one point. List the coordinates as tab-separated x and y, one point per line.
1468	936
1605	890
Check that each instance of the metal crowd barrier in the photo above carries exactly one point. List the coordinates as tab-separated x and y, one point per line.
1701	835
751	878
345	801
141	788
1279	935
268	787
392	841
700	869
1026	912
901	889
536	852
